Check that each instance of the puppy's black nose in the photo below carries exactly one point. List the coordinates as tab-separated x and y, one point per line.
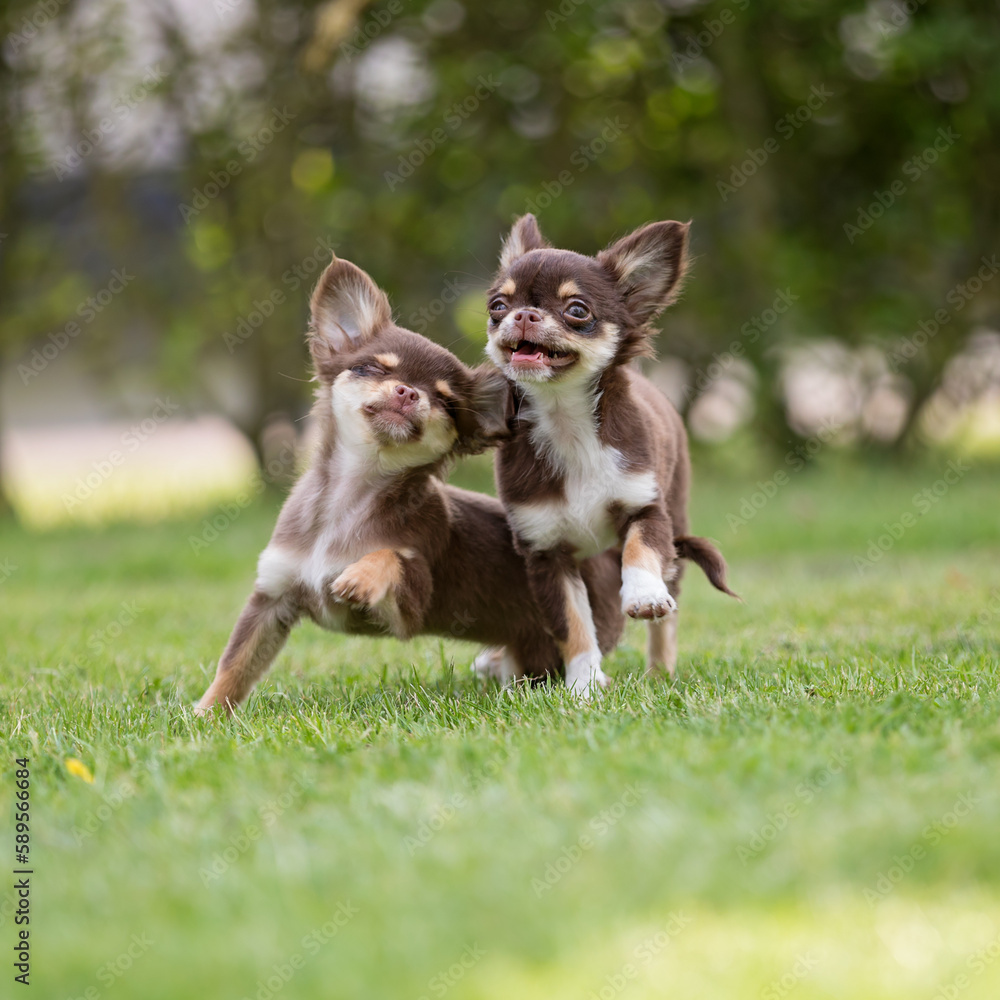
406	398
525	318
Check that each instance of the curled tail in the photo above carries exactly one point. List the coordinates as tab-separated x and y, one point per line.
708	557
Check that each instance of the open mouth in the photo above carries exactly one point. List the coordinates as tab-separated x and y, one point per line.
527	354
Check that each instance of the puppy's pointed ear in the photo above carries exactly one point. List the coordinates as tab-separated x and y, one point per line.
649	266
523	237
348	308
483	418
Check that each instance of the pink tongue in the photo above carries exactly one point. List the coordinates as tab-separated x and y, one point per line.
525	356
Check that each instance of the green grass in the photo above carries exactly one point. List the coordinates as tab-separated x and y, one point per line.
723	836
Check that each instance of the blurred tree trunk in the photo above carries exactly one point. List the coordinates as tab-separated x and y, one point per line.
754	211
11	177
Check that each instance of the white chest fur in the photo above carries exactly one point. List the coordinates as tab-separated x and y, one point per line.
564	433
316	560
279	568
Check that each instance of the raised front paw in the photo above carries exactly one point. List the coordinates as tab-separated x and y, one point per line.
645	595
366	582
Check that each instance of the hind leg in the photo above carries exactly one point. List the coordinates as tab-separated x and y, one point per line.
661	647
498	663
661	643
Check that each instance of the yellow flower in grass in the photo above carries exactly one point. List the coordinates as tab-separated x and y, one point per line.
78	768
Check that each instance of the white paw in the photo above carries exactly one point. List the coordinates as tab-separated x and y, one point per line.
645	595
494	663
486	664
584	676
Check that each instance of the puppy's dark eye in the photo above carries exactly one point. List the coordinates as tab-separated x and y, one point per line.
367	370
497	308
578	312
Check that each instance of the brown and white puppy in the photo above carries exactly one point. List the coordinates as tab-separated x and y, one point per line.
599	457
370	539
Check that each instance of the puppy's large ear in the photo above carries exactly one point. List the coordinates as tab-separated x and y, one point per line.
523	237
483	419
348	308
649	266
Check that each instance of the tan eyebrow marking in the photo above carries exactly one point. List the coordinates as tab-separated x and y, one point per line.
568	288
508	287
387	360
445	389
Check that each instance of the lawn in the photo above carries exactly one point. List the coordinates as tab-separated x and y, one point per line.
812	808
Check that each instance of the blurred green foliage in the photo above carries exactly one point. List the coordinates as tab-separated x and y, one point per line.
408	134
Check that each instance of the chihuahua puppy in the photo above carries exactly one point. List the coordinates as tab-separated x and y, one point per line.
599	457
371	540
